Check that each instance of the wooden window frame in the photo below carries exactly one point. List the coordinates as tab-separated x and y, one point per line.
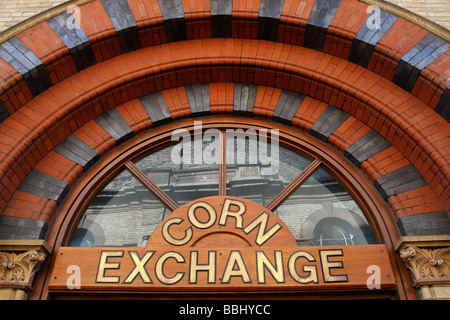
356	184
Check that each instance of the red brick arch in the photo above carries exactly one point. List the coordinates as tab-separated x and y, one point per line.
57	83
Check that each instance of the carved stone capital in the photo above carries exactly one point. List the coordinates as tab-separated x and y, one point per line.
427	265
428	259
18	270
19	262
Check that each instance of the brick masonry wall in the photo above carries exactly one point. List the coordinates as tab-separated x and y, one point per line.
69	97
16	11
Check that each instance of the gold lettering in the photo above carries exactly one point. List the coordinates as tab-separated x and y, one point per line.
235	259
104	265
262	262
173	241
327	265
211	212
262	236
226	211
195	267
139	267
311	270
159	268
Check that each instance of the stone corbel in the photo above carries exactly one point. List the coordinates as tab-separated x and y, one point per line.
19	262
428	259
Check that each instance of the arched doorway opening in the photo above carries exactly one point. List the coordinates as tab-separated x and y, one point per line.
132	201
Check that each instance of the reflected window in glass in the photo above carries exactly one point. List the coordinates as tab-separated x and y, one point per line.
123	213
322	212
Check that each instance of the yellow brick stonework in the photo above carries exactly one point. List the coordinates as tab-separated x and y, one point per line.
437	11
15	11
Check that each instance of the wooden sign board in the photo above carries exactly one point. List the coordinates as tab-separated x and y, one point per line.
222	244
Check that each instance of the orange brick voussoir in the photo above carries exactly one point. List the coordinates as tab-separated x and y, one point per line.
103	38
106	85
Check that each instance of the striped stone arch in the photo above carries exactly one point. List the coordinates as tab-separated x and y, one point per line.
69	95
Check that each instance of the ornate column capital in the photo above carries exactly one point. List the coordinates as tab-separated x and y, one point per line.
428	259
427	265
19	262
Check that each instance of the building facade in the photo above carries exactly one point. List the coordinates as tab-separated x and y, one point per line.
251	149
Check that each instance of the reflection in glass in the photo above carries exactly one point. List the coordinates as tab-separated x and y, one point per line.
123	213
321	213
183	180
258	169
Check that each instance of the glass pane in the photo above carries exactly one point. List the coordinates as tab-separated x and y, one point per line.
259	168
186	171
123	213
321	213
